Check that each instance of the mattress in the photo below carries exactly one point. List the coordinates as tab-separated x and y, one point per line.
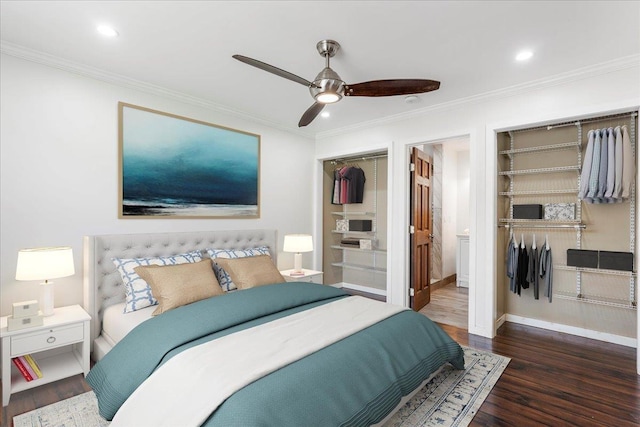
116	324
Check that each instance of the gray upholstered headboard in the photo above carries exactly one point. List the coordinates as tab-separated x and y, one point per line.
102	282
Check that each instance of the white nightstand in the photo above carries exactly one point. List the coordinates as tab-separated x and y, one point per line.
309	276
60	347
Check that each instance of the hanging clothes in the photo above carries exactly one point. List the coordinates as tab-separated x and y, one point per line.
617	190
602	170
595	170
546	270
628	165
335	197
534	270
355	184
611	167
344	187
586	165
512	264
523	268
348	185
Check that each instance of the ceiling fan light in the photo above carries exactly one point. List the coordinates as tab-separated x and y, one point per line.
328	97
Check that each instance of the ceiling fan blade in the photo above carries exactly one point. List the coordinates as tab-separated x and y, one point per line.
391	87
310	114
274	70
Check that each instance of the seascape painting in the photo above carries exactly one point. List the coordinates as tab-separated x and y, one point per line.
176	167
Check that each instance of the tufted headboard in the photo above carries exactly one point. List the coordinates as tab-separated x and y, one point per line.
102	282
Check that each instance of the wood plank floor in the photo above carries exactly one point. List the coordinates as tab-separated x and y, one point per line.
449	305
553	379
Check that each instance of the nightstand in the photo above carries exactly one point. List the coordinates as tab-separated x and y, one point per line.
309	276
60	347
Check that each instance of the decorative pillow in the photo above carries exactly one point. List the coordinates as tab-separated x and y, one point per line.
138	292
249	272
223	277
181	284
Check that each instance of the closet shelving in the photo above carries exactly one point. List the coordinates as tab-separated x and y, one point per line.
512	193
550	147
372	233
614	302
577	224
346	213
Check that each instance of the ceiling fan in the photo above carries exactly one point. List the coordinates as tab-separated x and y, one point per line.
328	87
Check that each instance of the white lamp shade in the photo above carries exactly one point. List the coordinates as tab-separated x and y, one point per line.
298	243
45	263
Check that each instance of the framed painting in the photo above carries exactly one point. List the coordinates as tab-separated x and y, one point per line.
176	167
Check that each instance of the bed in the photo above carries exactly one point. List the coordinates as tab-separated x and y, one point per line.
282	354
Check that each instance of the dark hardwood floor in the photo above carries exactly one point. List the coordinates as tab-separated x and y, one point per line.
556	379
553	379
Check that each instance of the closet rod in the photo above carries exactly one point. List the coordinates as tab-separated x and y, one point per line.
576	226
355	158
579	122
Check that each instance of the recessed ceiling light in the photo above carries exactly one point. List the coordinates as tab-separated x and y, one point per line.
325	114
107	31
524	55
411	99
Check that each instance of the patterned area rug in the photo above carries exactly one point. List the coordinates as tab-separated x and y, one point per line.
451	398
77	411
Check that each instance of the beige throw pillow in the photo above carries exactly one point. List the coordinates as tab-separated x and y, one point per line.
251	271
177	285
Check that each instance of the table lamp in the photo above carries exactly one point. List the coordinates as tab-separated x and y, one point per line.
45	264
298	243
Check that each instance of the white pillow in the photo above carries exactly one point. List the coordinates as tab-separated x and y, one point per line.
138	292
223	277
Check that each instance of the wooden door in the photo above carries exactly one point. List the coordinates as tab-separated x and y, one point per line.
421	231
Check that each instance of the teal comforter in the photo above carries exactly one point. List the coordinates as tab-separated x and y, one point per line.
354	382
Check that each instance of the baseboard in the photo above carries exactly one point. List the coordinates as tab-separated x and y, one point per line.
442	283
501	321
573	330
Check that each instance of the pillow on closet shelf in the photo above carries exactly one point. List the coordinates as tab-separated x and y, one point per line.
223	277
252	271
138	292
181	284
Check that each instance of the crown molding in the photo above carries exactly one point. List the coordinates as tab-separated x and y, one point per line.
119	80
619	64
126	82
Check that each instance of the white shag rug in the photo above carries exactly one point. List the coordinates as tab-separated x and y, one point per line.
450	399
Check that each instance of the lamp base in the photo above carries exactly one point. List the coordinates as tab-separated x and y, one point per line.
46	298
297	264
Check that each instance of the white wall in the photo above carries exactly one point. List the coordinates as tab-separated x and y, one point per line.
449	209
462	191
590	91
59	171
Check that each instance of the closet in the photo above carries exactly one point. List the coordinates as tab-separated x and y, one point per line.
539	181
355	233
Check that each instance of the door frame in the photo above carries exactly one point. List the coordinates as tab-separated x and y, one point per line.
471	327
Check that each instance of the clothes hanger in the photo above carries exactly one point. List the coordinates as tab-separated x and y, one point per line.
533	245
522	245
546	241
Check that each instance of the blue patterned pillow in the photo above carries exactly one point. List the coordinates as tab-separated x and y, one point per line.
138	292
223	277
